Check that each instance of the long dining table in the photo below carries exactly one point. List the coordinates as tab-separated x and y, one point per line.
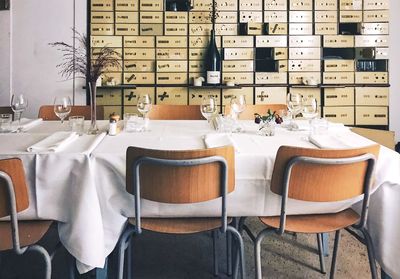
82	186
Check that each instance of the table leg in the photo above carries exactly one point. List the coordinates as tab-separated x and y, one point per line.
325	244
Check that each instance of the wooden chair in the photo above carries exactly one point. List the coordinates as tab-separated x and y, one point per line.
47	112
180	179
319	175
4	110
175	112
248	113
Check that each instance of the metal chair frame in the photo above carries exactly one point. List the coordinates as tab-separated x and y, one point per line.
136	230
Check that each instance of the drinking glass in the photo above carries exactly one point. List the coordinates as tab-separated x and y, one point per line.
62	107
77	123
18	104
294	104
310	108
208	107
238	105
144	104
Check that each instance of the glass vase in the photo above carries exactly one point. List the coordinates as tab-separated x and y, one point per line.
267	128
93	130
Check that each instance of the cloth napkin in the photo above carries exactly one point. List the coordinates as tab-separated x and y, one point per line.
54	142
218	140
339	141
27	123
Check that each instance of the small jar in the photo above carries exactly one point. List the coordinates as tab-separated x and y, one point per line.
113	127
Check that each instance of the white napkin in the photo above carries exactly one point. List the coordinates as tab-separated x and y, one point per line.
98	138
218	140
54	143
27	124
339	141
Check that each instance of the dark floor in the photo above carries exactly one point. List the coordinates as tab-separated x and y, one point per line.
165	256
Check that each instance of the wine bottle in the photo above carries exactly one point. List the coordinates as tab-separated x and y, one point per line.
213	62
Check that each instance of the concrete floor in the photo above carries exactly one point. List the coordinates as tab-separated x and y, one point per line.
167	256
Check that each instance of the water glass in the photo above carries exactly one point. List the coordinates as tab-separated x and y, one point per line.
134	123
319	126
5	122
77	124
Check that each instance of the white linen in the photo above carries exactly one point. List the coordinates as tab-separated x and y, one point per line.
27	124
219	139
54	142
339	141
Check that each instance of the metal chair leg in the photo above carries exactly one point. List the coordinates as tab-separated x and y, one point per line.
214	234
257	251
334	255
229	253
371	253
129	260
240	252
46	257
123	244
321	254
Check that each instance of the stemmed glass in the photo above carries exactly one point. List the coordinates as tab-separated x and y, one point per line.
310	108
62	107
295	106
18	104
144	104
238	105
208	107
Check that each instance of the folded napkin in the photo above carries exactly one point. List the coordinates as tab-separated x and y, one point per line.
218	140
26	124
54	143
328	141
97	139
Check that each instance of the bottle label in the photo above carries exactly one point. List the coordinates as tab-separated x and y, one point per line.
213	77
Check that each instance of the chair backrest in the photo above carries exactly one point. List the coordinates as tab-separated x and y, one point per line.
47	112
321	182
15	170
248	113
175	112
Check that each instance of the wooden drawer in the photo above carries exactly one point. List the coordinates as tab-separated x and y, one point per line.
376	4
304	53
172	29
139	53
280	53
126	17
196	66
339	96
325	16
237	41
102	17
139	66
374	28
308	92
202	41
275	5
171	54
139	78
372	41
227	95
197	53
270	95
106	41
276	28
139	41
250	16
151	5
114	68
227	17
108	110
126	29
196	95
271	41
202	5
238	78
126	5
172	96
172	66
350	5
151	29
250	5
343	115
338	77
326	28
176	17
101	5
275	16
300	16
199	17
172	78
238	65
131	95
382	53
200	29
350	16
299	77
271	78
376	16
372	77
97	51
300	29
108	97
171	41
226	29
252	28
338	65
304	65
112	77
226	5
372	96
238	53
301	5
372	115
336	41
305	41
151	17
325	5
101	29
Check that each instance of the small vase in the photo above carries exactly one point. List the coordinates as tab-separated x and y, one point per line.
267	128
93	130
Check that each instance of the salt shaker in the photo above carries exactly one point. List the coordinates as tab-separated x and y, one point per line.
113	127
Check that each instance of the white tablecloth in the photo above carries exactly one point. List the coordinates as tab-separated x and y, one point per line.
86	192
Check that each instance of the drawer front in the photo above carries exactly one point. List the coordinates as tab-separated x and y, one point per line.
139	41
301	5
151	17
326	28
382	53
270	95
304	65
275	5
176	17
226	29
171	54
350	5
280	53
172	78
238	78
298	78
106	41
139	53
226	5
338	65
114	68
275	16
372	115
276	28
202	41
271	41
338	77
338	41
126	5
300	16
131	95
237	41
372	78
374	28
304	53
253	28
339	96
151	29
250	5
300	28
372	96
350	16
199	17
114	78
325	5
376	16
151	5
325	16
271	78
102	17
250	16
101	5
308	93
197	66
372	41
227	95
200	29
170	41
238	66
101	29
139	78
172	66
202	5
197	53
139	66
172	96
126	29
108	97
126	17
305	41
227	17
343	115
196	95
97	51
172	29
238	53
110	110
376	4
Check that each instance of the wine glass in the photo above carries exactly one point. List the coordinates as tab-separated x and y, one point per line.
144	104
310	108
18	104
294	104
62	107
238	105
208	107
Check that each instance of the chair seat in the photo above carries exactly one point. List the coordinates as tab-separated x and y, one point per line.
180	225
315	223
30	232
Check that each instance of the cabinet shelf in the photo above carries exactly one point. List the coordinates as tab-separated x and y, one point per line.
220	86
